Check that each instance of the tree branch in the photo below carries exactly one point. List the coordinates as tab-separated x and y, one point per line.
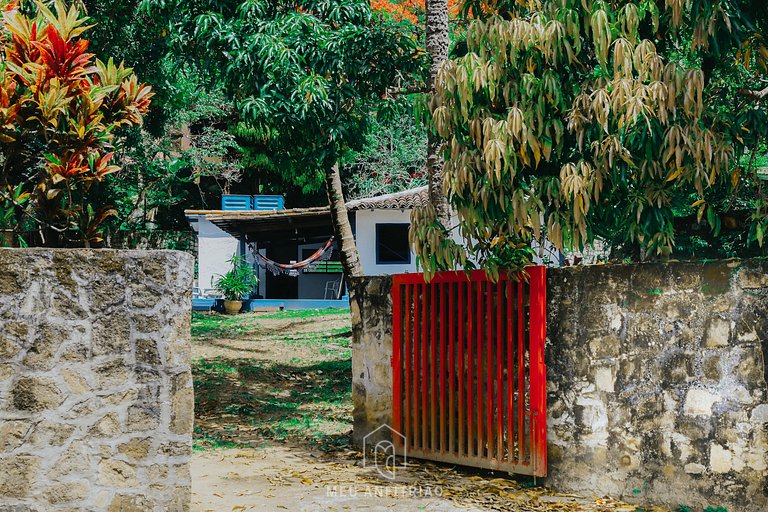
755	95
419	89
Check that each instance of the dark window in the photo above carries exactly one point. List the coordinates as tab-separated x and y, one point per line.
392	243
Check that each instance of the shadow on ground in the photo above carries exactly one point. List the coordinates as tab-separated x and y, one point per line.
238	401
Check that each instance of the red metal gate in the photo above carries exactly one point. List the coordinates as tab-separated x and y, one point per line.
469	381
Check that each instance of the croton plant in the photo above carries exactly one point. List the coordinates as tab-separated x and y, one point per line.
60	109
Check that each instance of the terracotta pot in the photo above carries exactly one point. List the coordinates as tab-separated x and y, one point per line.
233	307
7	238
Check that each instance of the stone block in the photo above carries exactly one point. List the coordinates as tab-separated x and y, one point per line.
699	402
182	405
759	414
712	368
129	503
58	494
695	469
117	473
143	417
751	279
605	379
106	293
143	297
46	342
47	433
136	449
175	449
75	381
36	394
18	473
149	324
111	374
146	351
718	332
112	335
76	460
9	347
107	426
12	434
76	353
720	459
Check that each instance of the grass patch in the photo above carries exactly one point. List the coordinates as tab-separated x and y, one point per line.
304	313
306	404
204	441
302	397
210	325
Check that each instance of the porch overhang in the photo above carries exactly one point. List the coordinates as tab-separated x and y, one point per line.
268	226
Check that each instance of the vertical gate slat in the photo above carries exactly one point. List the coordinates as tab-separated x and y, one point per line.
462	327
469	388
510	376
442	355
452	369
499	397
424	374
408	352
415	418
479	369
538	385
433	367
521	457
397	361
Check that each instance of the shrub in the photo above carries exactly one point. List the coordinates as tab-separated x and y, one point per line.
238	282
59	110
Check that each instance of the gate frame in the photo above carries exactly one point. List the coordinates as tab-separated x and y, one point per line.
537	413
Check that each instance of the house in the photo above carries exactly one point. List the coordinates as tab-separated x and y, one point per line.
286	246
293	251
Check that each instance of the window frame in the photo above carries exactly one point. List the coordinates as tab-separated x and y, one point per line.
379	261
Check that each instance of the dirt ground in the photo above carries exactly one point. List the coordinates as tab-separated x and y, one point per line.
273	426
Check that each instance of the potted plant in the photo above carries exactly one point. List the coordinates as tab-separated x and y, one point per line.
236	284
10	200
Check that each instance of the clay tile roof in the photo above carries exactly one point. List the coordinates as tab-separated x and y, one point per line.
407	199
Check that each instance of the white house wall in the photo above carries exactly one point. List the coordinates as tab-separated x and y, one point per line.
215	248
365	236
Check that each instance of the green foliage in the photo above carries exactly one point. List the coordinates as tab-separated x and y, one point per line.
224	121
194	160
59	111
304	74
578	120
393	158
11	201
239	281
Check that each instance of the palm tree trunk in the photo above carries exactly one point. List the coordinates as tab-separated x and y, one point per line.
350	259
437	48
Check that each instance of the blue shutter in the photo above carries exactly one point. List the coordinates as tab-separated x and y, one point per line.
236	203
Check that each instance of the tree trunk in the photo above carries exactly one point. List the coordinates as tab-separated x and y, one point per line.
437	48
350	259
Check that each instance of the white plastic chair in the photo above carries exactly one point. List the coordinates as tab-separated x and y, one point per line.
332	287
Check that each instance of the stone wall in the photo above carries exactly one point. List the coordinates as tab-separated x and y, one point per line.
370	302
656	380
96	400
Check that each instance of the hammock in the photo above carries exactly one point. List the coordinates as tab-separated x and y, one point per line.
322	254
